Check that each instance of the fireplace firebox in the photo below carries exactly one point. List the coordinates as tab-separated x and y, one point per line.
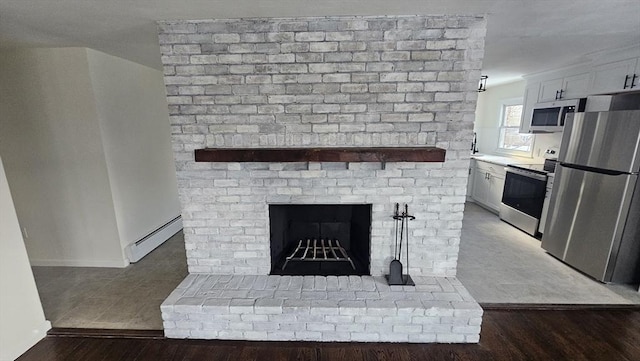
325	240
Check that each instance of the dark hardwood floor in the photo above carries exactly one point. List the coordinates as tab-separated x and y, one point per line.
585	334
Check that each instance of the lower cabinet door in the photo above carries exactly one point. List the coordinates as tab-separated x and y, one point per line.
496	186
487	189
480	187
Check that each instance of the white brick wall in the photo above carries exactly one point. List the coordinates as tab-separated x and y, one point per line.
258	312
227	227
321	82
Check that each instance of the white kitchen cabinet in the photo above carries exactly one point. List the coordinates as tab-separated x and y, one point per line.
575	86
568	87
531	95
480	186
616	76
496	187
488	184
609	72
549	90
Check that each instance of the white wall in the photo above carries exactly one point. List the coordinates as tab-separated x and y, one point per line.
51	144
86	142
134	122
544	141
488	120
22	321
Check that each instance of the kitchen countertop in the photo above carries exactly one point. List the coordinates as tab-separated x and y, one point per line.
502	160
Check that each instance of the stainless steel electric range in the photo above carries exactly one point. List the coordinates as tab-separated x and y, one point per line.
523	195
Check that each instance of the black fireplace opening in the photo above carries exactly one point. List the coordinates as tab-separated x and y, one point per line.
323	240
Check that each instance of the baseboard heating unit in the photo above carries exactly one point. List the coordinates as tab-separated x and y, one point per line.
148	243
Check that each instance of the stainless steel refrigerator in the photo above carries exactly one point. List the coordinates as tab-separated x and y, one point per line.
593	223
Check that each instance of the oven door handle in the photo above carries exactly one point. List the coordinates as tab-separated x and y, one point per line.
524	173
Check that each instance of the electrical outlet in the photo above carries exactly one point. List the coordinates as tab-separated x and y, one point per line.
25	234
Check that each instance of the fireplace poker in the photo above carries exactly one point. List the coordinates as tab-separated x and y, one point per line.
395	218
401	235
396	276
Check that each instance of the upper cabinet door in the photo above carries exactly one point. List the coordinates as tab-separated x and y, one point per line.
531	93
575	86
611	77
550	90
570	87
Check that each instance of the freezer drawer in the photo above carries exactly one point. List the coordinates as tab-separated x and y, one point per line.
587	218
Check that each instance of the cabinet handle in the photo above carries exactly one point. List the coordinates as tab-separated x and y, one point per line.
626	79
633	81
557	92
561	91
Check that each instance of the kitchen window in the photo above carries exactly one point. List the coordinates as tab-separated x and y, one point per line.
510	140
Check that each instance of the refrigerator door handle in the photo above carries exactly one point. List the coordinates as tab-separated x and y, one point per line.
592	169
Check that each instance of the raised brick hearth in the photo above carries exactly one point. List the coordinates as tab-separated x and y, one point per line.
345	308
309	83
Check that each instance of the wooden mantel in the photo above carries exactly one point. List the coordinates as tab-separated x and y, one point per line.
378	154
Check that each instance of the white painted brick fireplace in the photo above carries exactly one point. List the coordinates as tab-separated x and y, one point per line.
393	81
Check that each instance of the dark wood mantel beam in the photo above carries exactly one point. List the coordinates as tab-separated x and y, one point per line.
395	154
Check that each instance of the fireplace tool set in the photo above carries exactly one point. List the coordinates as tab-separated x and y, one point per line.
396	277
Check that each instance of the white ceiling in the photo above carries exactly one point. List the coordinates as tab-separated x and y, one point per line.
523	36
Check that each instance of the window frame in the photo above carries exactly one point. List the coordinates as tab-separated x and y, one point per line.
501	125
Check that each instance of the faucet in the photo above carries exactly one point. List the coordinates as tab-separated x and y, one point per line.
474	143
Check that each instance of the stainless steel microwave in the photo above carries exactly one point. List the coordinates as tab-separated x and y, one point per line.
549	117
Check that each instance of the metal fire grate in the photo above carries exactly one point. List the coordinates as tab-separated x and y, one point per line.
319	251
